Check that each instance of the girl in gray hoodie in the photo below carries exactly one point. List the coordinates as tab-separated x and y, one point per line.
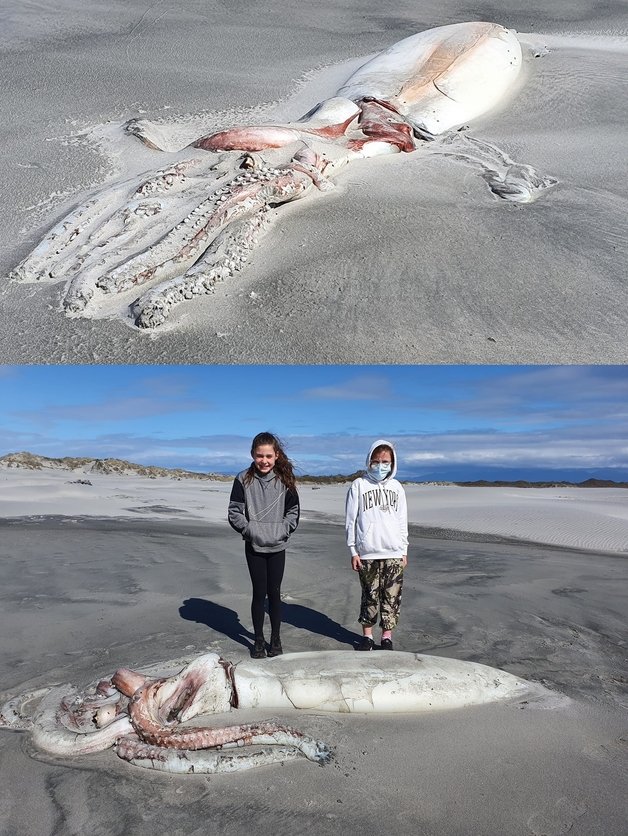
264	509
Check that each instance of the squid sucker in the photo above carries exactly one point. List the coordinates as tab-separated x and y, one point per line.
146	718
180	230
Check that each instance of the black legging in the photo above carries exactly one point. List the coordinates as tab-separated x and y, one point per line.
266	572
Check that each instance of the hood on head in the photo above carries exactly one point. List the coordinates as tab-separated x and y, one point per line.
377	443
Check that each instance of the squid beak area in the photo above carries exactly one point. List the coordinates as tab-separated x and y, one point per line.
248	162
105	715
377	121
394	133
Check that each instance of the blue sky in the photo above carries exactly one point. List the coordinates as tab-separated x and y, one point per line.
452	422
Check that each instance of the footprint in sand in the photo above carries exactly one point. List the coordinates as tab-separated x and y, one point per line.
610	750
556	819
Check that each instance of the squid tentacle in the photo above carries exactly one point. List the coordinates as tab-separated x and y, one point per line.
50	733
49	258
203	761
180	249
13	714
154	721
507	179
227	255
144	216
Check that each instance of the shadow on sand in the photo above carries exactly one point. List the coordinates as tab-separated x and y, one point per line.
226	621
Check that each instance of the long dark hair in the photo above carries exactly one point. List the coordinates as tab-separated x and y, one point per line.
283	465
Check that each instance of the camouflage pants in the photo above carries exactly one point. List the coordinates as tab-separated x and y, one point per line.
381	582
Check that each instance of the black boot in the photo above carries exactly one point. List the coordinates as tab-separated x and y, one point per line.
275	646
259	648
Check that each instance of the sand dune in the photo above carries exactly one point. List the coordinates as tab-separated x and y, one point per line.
581	518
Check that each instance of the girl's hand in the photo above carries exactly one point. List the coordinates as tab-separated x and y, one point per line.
356	563
404	560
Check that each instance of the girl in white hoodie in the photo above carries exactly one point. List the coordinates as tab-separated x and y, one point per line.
376	521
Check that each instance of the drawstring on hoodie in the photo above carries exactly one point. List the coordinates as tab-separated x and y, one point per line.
264	512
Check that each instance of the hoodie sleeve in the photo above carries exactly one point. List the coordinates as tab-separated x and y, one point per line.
291	510
402	516
352	507
237	507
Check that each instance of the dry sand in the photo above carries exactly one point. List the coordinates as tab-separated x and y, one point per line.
147	570
453	273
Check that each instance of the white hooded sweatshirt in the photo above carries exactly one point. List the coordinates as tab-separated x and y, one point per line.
376	515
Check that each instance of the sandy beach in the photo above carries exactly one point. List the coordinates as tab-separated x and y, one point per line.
539	283
132	571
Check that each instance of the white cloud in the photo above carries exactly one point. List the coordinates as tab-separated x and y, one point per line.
359	388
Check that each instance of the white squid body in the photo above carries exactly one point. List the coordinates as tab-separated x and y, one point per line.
346	681
443	77
435	81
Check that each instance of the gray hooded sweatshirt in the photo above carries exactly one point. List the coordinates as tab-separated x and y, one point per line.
263	511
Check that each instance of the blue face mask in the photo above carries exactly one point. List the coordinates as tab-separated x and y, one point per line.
380	470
